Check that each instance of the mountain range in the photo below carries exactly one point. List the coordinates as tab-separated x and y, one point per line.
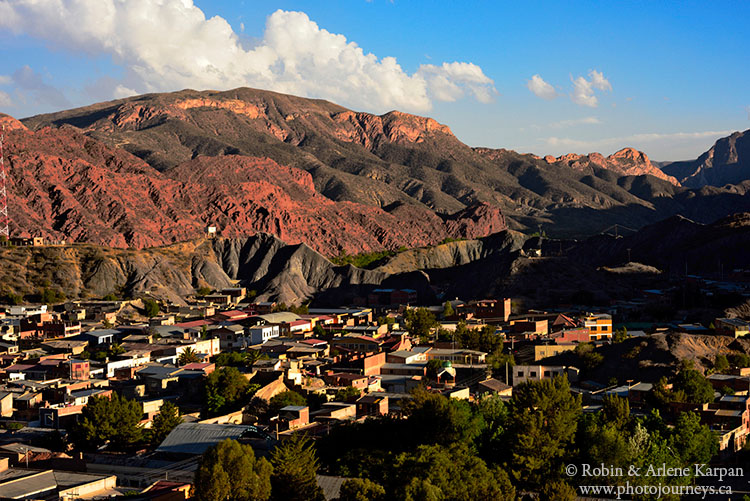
159	168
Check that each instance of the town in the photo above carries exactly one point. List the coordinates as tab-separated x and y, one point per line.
227	366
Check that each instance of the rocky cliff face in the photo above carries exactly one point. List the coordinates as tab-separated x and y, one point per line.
66	185
727	162
407	165
276	270
627	161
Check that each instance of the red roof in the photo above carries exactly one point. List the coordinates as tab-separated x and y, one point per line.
233	314
197	366
299	322
313	341
18	367
194	323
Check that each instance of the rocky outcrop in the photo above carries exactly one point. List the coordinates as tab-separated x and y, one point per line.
727	162
627	162
66	185
277	271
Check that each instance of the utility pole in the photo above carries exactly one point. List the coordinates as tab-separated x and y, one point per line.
4	219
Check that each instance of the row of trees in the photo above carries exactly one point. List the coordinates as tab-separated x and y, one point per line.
230	470
523	444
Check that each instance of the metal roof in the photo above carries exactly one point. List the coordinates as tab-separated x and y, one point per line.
196	438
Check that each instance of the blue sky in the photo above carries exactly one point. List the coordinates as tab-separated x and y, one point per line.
668	78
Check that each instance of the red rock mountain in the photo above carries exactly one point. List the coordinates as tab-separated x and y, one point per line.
409	167
627	161
64	184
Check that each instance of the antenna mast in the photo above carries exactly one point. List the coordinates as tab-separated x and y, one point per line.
4	219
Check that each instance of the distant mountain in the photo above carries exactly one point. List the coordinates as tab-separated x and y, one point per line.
196	158
66	185
627	161
391	161
727	162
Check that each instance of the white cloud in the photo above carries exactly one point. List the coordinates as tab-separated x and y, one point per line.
583	90
639	141
5	99
121	92
540	88
5	79
575	121
169	44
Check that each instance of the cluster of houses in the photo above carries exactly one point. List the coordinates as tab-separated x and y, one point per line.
53	362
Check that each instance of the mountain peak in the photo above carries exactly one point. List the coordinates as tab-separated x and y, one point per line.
627	161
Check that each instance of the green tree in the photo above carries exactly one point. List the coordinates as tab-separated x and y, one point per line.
694	385
542	423
230	470
721	363
433	418
164	423
361	489
188	356
116	349
620	335
448	310
150	307
110	297
203	291
589	358
295	466
557	491
226	388
285	398
113	420
616	411
419	322
693	441
14	298
449	473
52	296
348	394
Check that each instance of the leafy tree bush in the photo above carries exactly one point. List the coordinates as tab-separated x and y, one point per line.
112	420
542	423
361	489
694	385
52	296
419	322
453	472
435	419
230	470
285	398
164	423
150	307
348	394
721	363
226	390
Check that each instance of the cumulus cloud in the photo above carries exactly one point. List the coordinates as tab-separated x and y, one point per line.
540	88
170	44
5	99
583	89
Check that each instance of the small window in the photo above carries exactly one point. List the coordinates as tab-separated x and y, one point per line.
520	373
547	374
532	374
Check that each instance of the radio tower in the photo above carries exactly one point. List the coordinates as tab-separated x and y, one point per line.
4	219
